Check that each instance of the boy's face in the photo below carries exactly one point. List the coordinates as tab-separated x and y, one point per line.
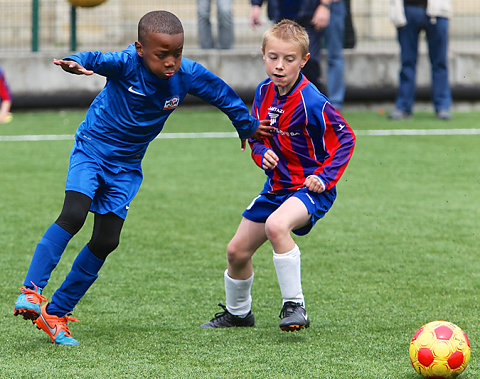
161	53
283	62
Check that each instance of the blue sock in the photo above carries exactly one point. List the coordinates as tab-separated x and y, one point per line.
82	275
46	256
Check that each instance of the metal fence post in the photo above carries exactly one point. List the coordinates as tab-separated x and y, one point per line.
35	25
73	28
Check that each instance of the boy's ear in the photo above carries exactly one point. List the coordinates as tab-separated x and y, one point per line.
139	48
305	60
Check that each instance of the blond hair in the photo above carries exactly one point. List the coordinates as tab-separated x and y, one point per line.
288	30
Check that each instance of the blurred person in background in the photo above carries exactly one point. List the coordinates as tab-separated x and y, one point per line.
5	99
324	21
329	18
225	37
410	17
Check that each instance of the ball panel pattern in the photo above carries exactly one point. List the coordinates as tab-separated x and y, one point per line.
439	349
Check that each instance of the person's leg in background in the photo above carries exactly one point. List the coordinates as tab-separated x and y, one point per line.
334	40
408	40
205	37
437	37
312	69
226	33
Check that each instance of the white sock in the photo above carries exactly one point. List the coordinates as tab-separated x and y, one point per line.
287	267
237	293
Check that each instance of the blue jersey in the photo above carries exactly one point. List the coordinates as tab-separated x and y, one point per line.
133	106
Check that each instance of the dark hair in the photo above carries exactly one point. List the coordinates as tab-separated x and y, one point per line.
159	22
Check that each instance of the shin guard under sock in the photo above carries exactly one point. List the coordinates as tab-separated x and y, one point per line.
82	275
237	292
287	267
46	256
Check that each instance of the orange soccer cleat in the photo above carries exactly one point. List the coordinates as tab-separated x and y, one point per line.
56	327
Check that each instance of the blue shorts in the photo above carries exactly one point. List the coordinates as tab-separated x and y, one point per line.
110	191
317	204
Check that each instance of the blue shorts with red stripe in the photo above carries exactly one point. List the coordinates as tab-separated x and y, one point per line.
317	204
110	188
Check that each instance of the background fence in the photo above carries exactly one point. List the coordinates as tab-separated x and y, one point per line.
46	25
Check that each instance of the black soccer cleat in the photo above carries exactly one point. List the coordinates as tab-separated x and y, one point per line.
226	320
294	317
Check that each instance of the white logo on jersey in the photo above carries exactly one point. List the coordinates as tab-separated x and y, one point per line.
172	103
130	89
273	118
341	126
273	114
291	134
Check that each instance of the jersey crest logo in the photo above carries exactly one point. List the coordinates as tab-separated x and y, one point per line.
171	103
273	114
273	118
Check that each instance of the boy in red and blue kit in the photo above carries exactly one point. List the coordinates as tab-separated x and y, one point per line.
303	160
5	100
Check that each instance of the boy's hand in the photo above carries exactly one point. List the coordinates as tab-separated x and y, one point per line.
263	130
72	67
321	18
254	17
270	160
314	184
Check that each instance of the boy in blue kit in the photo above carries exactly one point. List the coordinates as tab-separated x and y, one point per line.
303	160
145	83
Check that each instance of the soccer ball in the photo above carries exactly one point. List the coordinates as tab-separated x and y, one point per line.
86	3
439	349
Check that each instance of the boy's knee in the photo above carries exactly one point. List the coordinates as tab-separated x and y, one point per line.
101	247
74	211
232	252
236	256
71	220
275	227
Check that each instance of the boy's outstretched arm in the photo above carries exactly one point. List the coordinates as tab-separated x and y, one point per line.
264	130
72	67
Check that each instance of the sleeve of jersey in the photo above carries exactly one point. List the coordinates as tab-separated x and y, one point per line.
339	141
215	91
257	146
105	64
258	151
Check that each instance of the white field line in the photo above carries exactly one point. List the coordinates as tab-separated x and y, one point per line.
382	132
418	132
38	137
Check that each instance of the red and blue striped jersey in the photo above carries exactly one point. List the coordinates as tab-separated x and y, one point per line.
311	137
4	91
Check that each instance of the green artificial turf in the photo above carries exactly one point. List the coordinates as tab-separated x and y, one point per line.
398	249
